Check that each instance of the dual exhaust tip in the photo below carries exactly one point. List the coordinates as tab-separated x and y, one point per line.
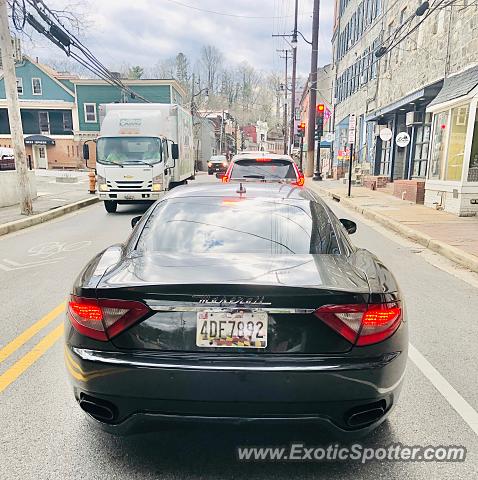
365	414
99	409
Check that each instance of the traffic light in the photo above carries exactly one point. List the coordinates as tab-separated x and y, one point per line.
319	121
301	129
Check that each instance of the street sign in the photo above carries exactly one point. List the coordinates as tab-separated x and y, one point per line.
329	137
352	126
402	139
386	134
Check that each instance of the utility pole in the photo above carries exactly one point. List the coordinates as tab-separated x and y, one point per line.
309	166
286	88
294	76
13	106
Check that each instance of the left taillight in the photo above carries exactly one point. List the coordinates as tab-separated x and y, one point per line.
362	324
103	318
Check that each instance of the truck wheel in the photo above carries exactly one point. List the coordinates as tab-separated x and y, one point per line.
111	206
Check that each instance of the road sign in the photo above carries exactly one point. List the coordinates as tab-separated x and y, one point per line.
386	134
352	126
402	139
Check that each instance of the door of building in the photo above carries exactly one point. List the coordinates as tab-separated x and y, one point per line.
40	159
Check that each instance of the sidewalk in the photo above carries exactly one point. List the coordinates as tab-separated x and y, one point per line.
52	195
454	237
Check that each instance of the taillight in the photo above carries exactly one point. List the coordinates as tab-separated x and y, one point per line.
263	160
227	175
362	324
104	318
209	164
224	164
300	177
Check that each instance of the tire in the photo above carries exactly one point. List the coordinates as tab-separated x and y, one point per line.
111	206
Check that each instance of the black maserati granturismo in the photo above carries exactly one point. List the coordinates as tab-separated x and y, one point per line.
237	303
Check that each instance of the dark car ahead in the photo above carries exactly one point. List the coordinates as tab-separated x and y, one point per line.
217	164
236	303
266	167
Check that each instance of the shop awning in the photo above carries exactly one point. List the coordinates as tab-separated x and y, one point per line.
457	86
39	140
422	96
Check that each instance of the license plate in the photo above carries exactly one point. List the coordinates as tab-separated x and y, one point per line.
231	329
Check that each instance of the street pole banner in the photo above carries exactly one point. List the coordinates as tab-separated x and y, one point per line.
352	126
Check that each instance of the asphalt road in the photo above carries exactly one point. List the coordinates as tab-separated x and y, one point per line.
43	433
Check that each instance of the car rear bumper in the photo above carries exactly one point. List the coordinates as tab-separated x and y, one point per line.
147	390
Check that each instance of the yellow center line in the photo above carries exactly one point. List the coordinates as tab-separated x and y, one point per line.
30	358
16	343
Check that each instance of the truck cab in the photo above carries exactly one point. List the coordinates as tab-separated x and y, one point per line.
138	157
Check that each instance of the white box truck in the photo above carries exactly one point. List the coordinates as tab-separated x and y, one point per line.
142	151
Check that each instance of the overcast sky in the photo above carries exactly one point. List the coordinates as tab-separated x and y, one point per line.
146	31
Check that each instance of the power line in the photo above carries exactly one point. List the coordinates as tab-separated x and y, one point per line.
58	34
234	15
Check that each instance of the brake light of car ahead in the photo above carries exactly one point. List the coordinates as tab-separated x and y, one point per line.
103	319
300	177
362	324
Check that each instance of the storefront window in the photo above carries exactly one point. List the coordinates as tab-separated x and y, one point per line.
438	146
456	143
473	171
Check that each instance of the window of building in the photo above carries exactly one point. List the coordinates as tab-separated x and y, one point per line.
438	146
20	86
456	143
44	122
473	166
67	121
403	16
422	141
36	86
90	112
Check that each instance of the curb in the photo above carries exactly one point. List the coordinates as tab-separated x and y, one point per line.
45	216
452	253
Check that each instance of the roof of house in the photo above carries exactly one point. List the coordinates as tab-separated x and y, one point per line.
457	86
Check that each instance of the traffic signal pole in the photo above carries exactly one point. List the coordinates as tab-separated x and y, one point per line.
13	107
309	168
318	136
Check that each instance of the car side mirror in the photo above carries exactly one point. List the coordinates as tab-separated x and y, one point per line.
350	226
175	151
135	220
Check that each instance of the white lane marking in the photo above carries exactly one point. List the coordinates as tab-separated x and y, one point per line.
462	407
10	265
52	248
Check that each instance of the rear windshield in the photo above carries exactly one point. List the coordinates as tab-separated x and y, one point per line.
263	169
221	225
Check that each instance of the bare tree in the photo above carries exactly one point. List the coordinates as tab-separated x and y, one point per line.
211	61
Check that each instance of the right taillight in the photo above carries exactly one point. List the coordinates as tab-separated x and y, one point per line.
362	324
103	318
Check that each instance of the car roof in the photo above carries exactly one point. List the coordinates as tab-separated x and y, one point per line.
276	191
253	155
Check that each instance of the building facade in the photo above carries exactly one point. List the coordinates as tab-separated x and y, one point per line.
48	112
391	94
61	111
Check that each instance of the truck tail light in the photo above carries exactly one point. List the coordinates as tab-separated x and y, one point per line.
103	319
362	324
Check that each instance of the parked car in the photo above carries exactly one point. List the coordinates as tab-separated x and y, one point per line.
265	167
235	305
217	164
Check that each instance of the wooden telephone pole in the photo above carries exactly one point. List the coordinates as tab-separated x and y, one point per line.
13	106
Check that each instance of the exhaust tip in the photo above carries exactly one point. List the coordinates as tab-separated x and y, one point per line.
366	414
98	409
